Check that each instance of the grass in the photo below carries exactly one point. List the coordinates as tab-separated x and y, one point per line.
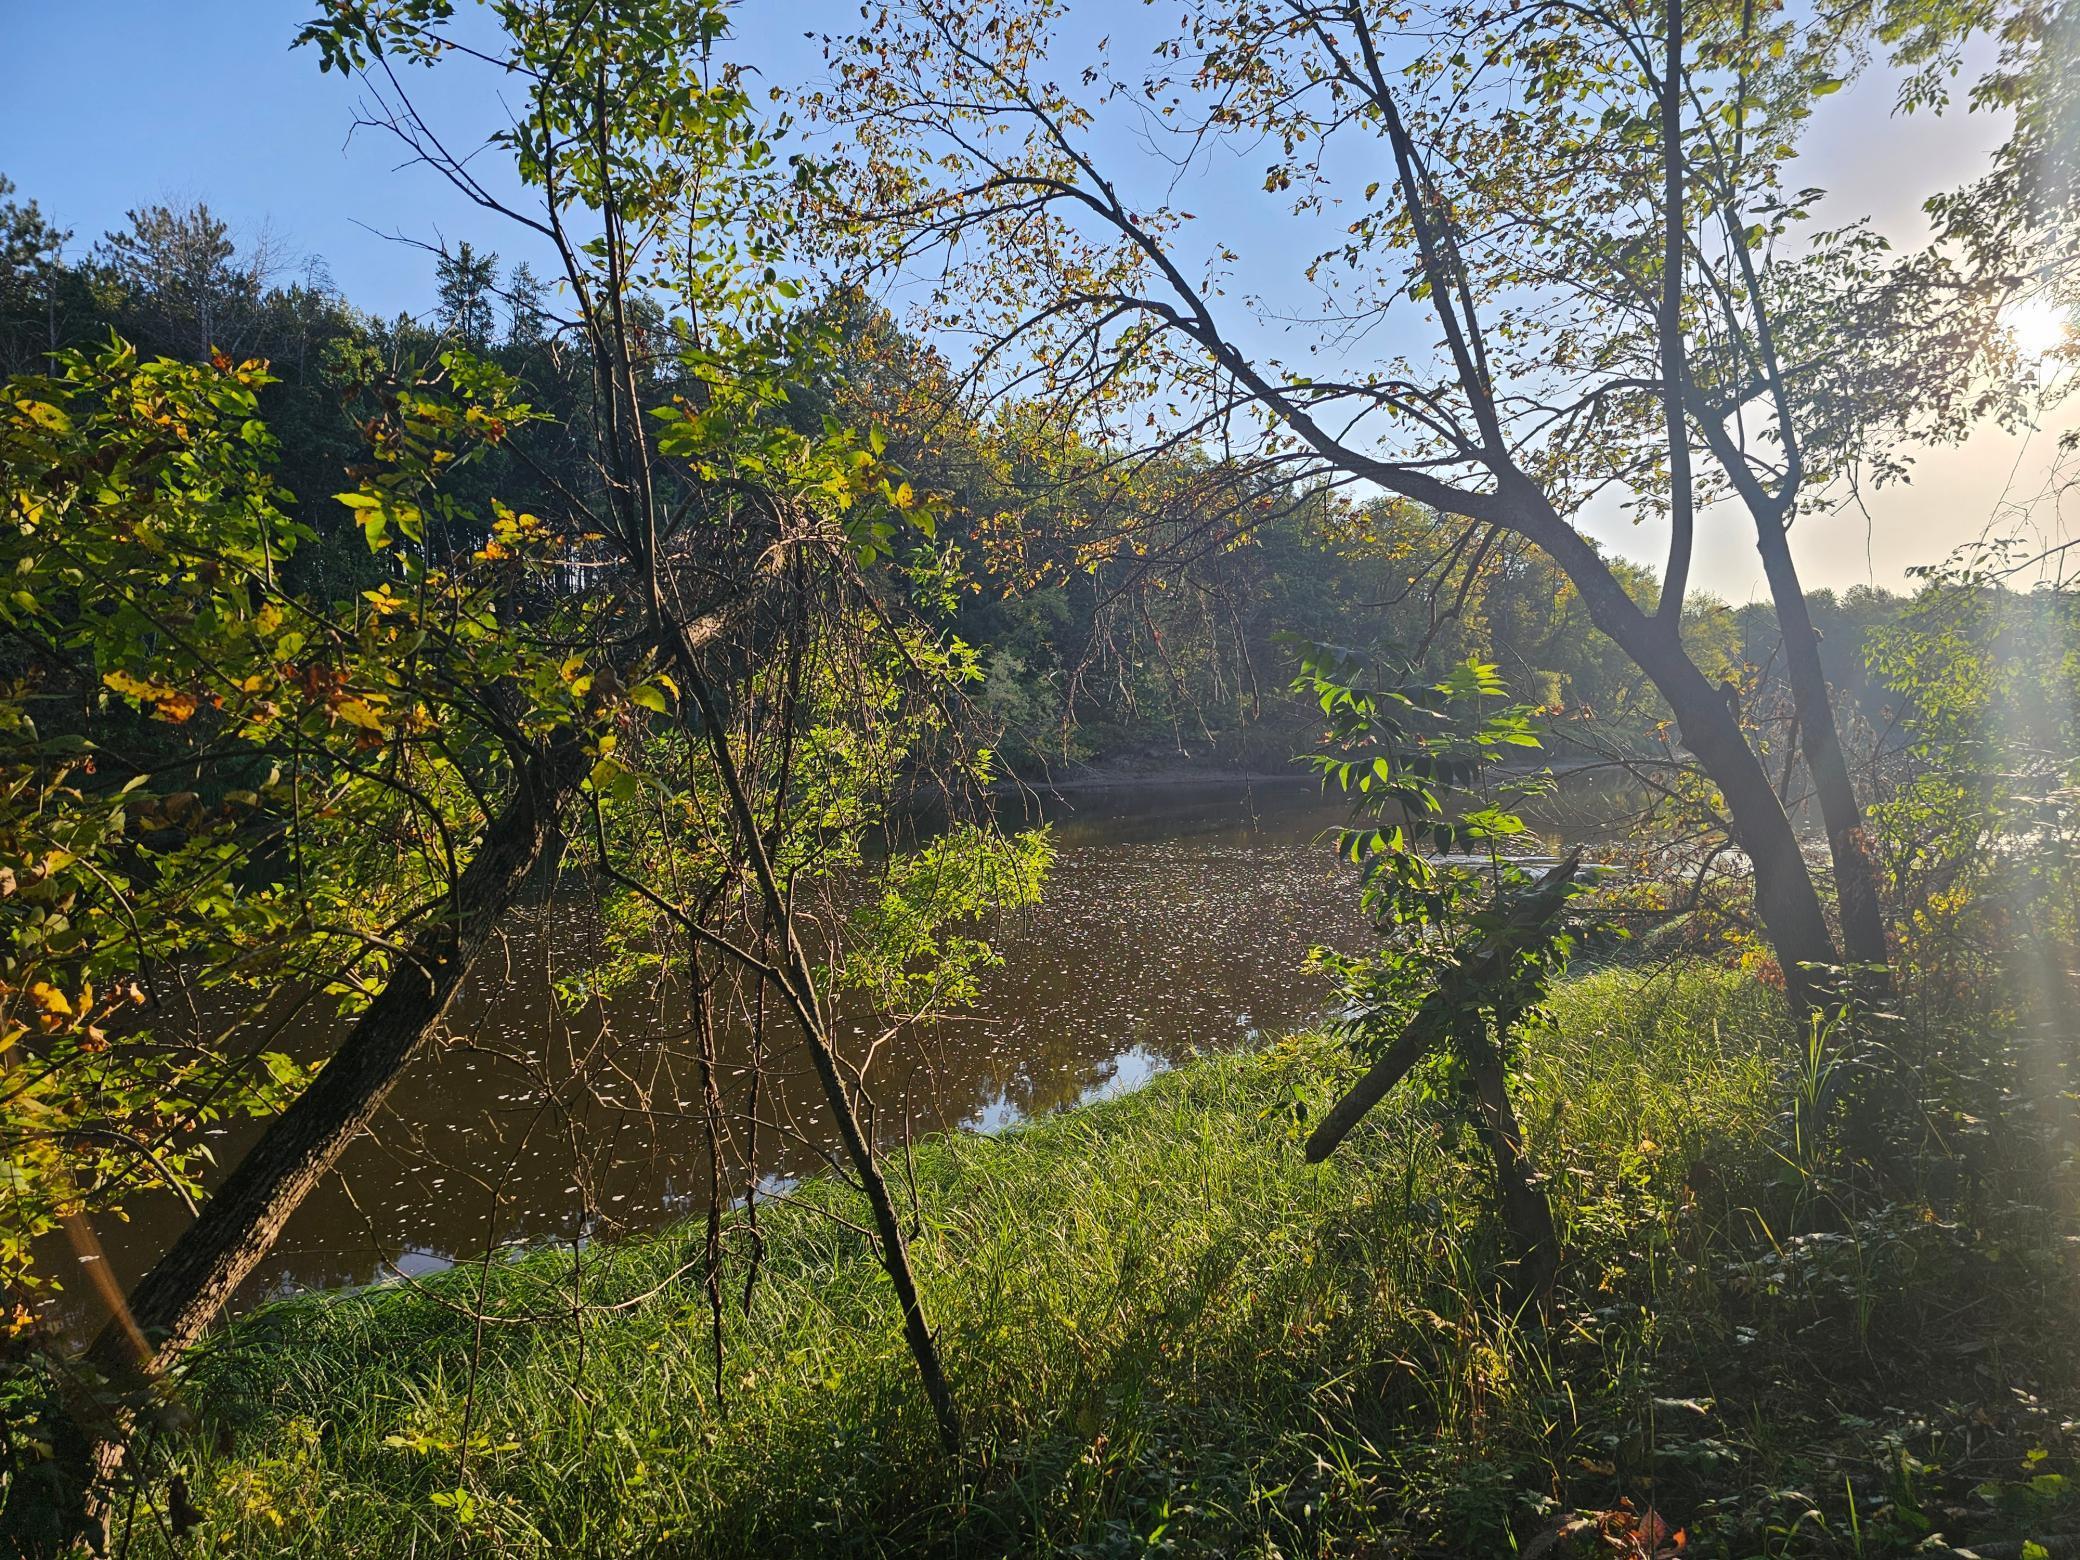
1171	1335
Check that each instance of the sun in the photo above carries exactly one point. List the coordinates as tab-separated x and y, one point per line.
2037	326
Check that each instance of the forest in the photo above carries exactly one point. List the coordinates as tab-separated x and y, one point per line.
941	824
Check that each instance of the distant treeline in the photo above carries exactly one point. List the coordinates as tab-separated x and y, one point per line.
1122	615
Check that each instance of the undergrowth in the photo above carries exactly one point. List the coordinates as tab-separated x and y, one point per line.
1171	1335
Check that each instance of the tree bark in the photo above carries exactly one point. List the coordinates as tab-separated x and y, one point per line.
1785	899
1375	1085
1526	1211
185	1289
1855	873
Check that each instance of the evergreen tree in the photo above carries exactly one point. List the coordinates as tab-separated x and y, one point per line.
467	282
183	277
524	315
31	251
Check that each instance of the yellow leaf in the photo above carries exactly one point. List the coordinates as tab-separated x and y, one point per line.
169	703
45	415
52	1004
359	712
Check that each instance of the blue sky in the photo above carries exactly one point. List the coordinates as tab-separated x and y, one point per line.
116	103
204	99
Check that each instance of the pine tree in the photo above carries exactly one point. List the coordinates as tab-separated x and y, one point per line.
525	325
185	279
31	252
467	282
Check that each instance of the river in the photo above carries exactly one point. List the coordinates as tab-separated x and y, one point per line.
1177	919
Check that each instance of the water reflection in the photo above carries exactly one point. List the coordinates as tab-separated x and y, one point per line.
1177	919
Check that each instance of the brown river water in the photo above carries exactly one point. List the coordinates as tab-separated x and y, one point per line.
1177	919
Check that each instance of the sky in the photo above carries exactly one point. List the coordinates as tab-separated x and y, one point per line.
118	103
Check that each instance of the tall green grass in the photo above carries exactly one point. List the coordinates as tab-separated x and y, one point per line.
1168	1332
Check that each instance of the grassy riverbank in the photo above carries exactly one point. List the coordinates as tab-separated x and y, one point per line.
1172	1335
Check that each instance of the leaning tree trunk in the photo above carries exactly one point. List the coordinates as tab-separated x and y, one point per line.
1785	898
1855	873
1451	1015
1786	901
188	1286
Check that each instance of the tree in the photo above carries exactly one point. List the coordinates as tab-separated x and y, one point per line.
332	800
31	257
526	318
181	271
718	642
1583	202
336	800
683	311
465	284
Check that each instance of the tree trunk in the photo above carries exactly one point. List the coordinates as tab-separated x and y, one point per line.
181	1295
188	1286
1855	873
1526	1212
1785	899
